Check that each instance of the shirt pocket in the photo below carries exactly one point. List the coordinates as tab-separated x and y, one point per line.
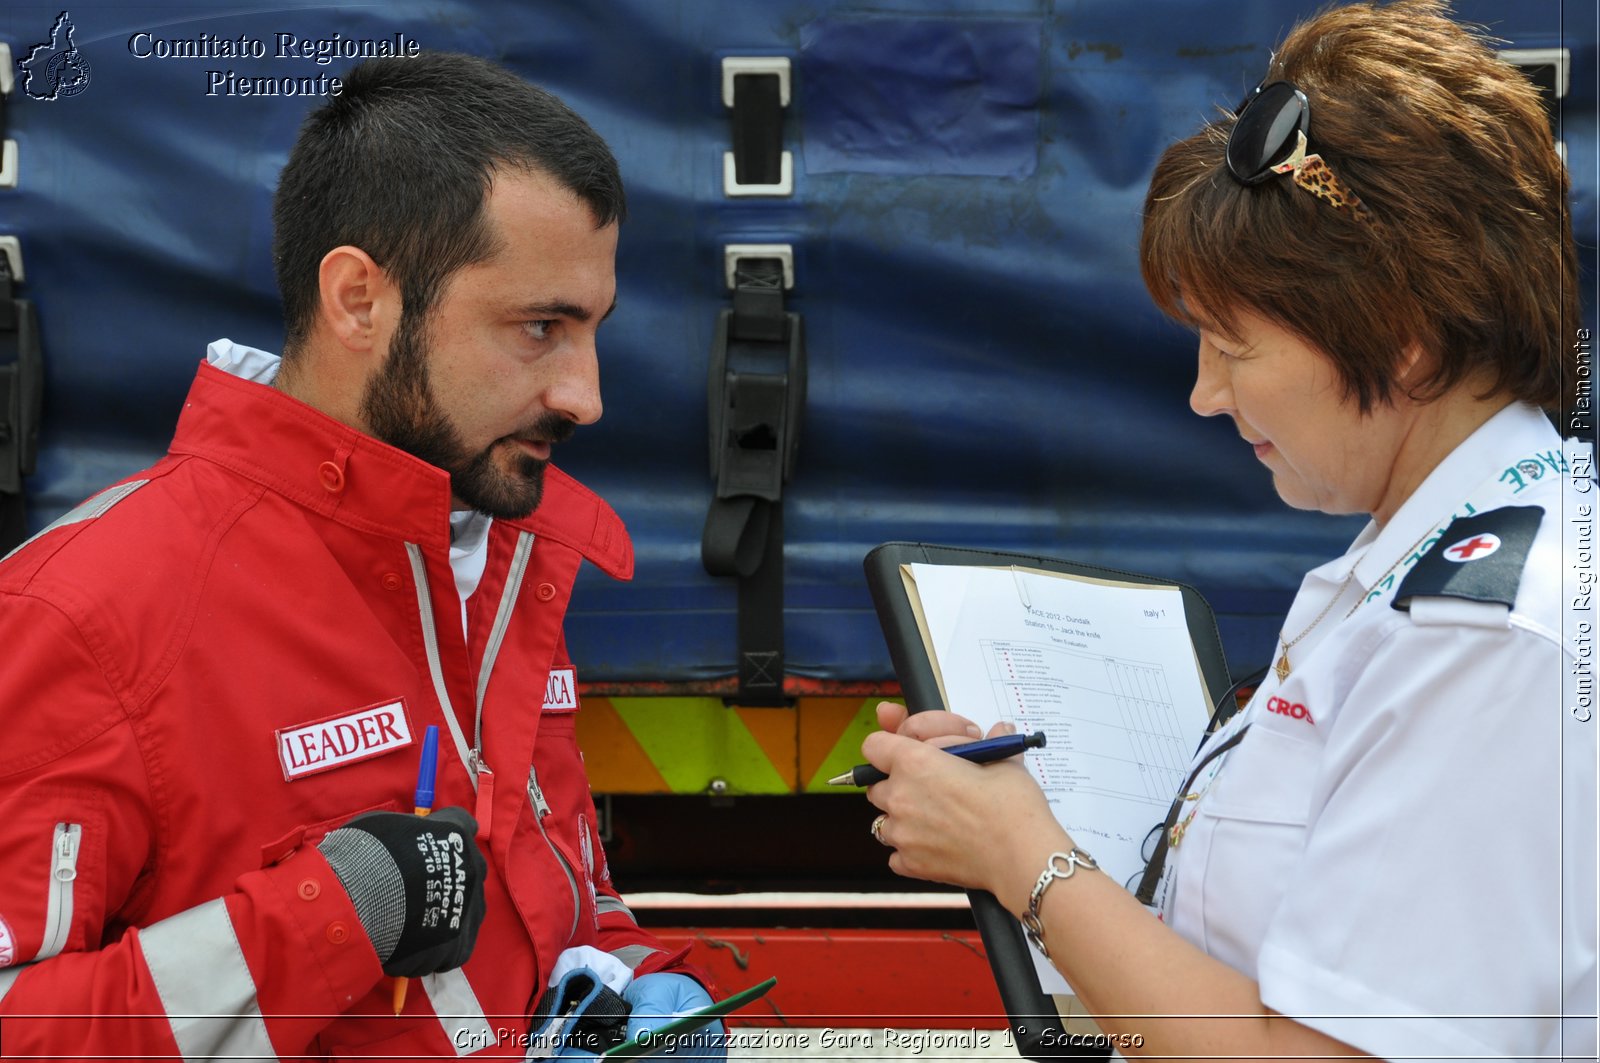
1256	818
310	835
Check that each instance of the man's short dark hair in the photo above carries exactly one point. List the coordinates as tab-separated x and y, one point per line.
400	163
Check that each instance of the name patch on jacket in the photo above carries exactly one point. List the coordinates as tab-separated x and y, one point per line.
346	739
561	691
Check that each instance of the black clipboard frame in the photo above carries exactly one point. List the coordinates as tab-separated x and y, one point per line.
1035	1021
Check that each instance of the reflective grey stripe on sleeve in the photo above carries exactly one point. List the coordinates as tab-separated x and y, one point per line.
634	955
458	1011
605	903
205	986
7	976
88	509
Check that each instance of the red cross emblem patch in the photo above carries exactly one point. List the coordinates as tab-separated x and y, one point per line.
1478	546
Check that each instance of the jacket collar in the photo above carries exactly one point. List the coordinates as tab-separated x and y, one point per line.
334	470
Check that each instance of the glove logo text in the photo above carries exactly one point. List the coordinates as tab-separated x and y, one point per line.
445	893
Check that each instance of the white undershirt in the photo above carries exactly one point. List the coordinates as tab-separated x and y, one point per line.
469	553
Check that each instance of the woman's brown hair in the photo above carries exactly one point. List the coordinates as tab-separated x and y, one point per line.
1471	258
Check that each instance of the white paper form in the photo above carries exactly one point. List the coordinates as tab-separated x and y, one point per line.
1106	670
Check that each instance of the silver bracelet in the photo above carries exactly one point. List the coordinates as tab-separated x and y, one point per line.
1070	862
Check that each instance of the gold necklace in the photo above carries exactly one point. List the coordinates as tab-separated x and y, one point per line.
1282	668
1363	599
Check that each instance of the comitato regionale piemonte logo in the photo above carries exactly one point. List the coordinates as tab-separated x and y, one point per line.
55	69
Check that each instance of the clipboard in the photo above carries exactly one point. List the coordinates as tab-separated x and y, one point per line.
665	1037
1035	1020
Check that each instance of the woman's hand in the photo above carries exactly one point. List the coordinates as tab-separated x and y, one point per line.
948	820
942	728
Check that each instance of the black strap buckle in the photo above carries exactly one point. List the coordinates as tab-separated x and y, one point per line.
21	403
757	385
756	91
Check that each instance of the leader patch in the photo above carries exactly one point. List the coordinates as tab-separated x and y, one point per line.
345	739
561	691
1478	559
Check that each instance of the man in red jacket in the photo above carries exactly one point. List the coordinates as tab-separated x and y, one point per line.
217	673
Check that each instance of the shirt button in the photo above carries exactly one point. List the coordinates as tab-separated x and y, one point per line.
545	592
338	933
310	889
392	581
332	477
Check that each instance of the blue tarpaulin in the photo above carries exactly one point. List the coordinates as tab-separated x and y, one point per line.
984	365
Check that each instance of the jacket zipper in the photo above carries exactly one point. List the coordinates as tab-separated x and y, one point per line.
541	809
63	870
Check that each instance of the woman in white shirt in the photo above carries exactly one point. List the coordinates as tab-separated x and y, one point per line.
1391	849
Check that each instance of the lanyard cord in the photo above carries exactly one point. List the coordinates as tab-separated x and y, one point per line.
1227	705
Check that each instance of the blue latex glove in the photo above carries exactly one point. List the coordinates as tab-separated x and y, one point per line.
657	999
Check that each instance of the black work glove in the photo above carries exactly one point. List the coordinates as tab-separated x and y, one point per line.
416	883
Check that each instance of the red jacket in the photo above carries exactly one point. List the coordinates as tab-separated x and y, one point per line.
206	668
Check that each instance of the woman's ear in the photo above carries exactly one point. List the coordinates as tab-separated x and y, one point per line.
1414	366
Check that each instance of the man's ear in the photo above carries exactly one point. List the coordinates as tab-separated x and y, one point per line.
360	304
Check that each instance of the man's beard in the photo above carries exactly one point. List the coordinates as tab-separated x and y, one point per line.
399	408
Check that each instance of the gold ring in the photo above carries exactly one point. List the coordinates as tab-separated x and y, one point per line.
877	827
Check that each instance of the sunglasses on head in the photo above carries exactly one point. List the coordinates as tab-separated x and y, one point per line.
1269	138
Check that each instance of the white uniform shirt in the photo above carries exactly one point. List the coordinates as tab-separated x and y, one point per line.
1401	850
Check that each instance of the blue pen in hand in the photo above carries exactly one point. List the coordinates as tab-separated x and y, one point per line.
989	749
421	804
427	771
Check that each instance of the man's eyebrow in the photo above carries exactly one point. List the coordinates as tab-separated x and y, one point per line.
561	309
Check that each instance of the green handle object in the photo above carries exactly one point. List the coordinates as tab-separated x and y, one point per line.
662	1037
